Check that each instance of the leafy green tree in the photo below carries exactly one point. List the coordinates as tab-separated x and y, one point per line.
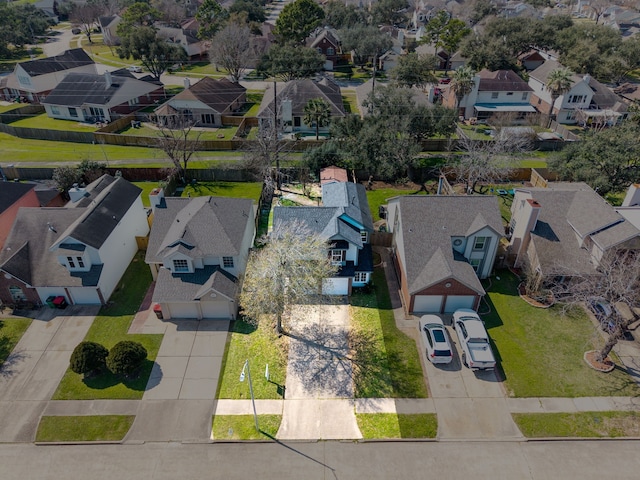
126	357
430	120
88	357
155	54
608	160
339	16
414	70
462	83
559	82
289	62
487	52
297	20
210	16
252	8
586	48
317	113
19	25
90	170
482	9
140	14
389	12
435	27
365	43
452	36
65	177
326	154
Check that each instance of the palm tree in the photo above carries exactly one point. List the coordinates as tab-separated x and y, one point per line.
317	112
462	83
559	82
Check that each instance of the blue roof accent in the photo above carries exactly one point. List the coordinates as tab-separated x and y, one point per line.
347	219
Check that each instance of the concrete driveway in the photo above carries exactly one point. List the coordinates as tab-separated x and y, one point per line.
33	370
470	404
319	389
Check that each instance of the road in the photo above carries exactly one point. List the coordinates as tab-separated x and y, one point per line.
581	460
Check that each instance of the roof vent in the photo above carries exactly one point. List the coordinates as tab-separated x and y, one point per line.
51	228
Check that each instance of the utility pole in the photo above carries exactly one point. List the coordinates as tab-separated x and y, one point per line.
373	84
275	130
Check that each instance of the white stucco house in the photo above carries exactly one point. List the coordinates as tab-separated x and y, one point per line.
79	251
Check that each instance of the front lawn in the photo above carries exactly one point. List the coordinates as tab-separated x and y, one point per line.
11	331
540	350
582	424
386	363
252	190
42	121
379	197
243	427
89	428
392	425
110	327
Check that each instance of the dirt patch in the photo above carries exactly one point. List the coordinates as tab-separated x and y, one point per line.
604	366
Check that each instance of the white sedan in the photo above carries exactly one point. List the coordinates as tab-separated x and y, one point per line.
435	339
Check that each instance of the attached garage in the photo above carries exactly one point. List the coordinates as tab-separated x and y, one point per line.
427	303
455	302
84	296
335	286
216	309
181	310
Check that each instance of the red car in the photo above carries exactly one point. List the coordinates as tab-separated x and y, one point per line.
445	80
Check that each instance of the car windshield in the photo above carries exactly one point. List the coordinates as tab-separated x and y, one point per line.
442	353
438	336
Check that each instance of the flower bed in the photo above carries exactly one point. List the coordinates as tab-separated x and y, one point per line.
550	300
604	366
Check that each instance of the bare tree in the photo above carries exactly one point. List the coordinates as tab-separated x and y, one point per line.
288	270
232	50
86	17
178	140
490	161
599	7
617	281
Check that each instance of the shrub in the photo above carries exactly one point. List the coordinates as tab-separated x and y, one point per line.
88	357
125	357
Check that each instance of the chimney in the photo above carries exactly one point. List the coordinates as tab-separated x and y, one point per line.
155	197
76	193
524	217
187	83
586	78
632	199
108	80
440	182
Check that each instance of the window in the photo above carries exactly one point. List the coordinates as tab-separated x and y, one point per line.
208	118
80	262
479	243
134	101
17	294
509	94
571	115
227	262
361	277
24	80
577	98
494	94
180	265
55	110
296	121
70	262
525	95
330	51
96	112
475	263
319	49
364	235
338	256
73	112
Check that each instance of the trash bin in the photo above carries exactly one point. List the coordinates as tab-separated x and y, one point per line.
157	309
49	301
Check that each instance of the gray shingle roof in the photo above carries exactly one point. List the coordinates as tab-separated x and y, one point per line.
429	222
73	58
300	92
213	225
172	287
351	196
219	95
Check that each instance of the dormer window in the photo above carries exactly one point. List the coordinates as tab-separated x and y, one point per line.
364	235
180	265
479	243
75	263
227	262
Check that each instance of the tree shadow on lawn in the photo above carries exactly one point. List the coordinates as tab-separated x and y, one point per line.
109	379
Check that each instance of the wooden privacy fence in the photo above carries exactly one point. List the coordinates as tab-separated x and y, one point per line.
381	239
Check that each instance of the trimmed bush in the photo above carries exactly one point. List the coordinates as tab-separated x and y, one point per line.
125	357
88	357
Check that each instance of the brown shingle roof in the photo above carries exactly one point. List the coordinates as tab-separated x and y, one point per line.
502	81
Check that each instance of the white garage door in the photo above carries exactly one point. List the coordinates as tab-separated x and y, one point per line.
182	310
427	303
335	286
454	302
219	309
84	296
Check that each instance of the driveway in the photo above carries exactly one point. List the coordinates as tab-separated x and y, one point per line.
33	370
57	42
319	389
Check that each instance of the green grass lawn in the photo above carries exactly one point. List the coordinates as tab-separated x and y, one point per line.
385	361
243	427
261	346
350	102
254	98
379	197
251	190
88	428
110	327
11	331
146	190
392	425
44	122
582	424
222	133
476	132
10	106
540	351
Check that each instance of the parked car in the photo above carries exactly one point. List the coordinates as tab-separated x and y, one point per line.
473	339
607	316
445	81
135	69
435	337
76	31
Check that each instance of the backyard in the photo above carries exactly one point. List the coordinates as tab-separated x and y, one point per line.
540	350
42	121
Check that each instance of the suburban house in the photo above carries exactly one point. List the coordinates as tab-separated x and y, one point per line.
345	222
588	102
333	174
32	80
12	197
92	98
327	43
185	35
565	230
198	248
531	60
442	57
291	100
204	102
442	246
79	251
108	26
499	92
